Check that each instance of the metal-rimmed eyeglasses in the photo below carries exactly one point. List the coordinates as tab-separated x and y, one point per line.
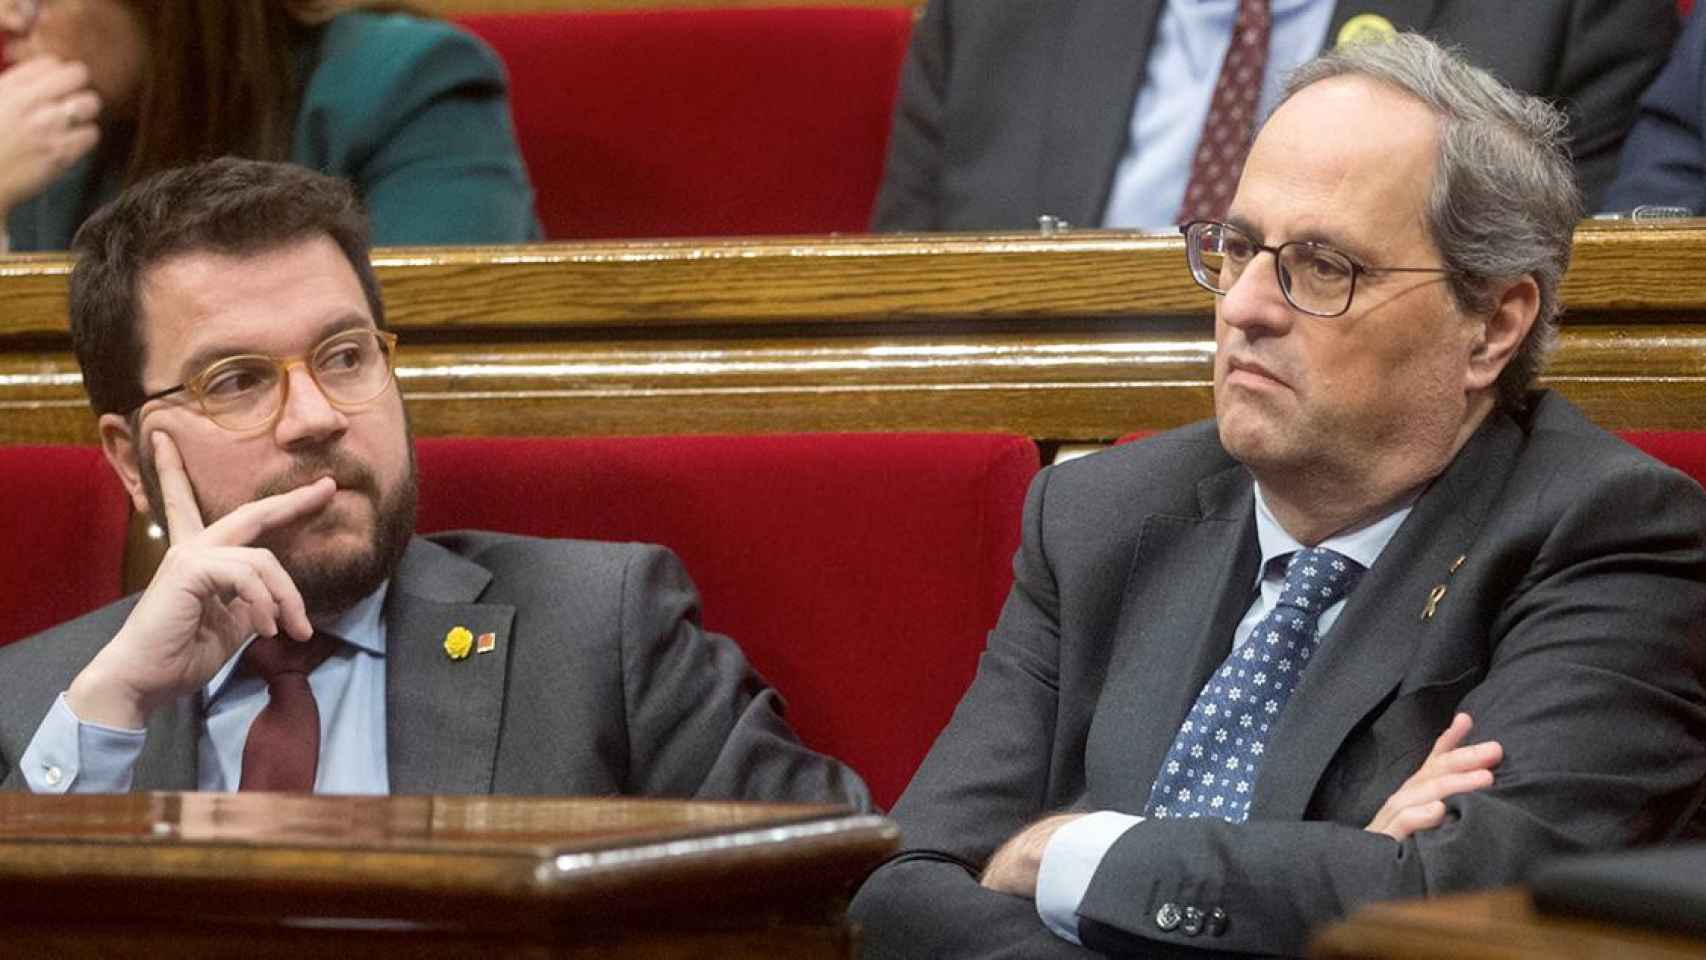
352	368
1314	277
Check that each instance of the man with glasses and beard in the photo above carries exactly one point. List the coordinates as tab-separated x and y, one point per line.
1393	624
298	636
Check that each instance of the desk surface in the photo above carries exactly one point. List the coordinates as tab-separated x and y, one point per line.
1494	925
279	875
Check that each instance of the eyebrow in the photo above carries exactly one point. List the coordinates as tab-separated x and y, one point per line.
209	355
1313	235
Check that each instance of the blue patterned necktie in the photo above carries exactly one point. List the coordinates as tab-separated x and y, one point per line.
1211	769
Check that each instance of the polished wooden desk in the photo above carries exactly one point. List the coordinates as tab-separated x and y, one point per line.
201	875
1496	925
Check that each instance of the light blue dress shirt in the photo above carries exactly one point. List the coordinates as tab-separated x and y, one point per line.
69	756
1178	84
1076	850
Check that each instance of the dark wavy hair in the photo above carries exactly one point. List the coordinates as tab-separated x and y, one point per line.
229	206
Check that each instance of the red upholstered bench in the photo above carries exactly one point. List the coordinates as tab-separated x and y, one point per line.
859	572
64	551
696	122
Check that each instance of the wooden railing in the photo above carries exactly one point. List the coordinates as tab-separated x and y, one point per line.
1080	337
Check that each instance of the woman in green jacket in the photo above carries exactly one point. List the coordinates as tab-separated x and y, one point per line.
96	94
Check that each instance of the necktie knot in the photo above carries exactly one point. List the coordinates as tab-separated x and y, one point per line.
272	657
1317	578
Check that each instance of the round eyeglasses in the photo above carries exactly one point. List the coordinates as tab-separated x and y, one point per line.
249	391
1314	277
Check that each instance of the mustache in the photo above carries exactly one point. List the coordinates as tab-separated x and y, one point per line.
346	471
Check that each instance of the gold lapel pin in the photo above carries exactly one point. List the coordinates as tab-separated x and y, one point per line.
1365	28
1434	597
486	643
458	642
1457	563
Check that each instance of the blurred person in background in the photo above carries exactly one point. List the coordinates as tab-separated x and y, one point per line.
98	94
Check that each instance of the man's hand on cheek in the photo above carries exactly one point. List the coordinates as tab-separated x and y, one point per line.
213	590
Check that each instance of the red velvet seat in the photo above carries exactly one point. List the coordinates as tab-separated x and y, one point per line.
860	572
695	122
65	540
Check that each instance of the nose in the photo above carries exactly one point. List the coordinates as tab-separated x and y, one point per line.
307	417
1255	304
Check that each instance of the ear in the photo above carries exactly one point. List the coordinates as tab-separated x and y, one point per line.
124	451
1497	339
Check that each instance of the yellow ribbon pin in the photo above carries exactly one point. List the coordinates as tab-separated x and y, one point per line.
1366	28
458	642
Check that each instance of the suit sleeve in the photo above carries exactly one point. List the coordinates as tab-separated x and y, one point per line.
701	722
1613	50
416	114
1594	688
909	197
1664	160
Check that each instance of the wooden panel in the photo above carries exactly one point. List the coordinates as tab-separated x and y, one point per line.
1080	337
158	874
1496	925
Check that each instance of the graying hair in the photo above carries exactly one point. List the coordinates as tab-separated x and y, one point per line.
1503	203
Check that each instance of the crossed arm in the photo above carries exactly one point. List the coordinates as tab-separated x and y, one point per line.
1418	804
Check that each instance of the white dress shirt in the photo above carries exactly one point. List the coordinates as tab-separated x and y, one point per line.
1178	84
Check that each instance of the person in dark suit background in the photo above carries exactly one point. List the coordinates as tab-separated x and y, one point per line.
231	335
1664	159
1089	111
1181	734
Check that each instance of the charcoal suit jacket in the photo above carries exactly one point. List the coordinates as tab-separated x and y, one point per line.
603	683
1572	629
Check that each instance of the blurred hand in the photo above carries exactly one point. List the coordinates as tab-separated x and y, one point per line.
1449	770
210	594
47	123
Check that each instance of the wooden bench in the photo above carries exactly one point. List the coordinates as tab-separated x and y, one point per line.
1078	338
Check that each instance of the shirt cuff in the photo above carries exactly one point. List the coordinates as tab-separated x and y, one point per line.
1070	861
67	755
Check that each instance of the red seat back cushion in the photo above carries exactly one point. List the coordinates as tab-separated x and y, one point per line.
860	573
69	518
696	122
1682	449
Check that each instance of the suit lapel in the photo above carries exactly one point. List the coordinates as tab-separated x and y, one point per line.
1102	58
442	714
1365	655
1416	15
170	752
1167	642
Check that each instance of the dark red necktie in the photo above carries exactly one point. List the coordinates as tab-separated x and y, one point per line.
1231	119
283	747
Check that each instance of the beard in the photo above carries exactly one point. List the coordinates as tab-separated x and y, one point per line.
329	584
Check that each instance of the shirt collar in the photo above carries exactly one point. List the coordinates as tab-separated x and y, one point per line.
1362	543
360	626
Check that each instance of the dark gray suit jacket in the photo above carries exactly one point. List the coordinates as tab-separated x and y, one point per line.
605	683
1014	108
1574	632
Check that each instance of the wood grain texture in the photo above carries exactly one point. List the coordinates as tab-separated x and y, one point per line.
1081	337
536	871
1495	925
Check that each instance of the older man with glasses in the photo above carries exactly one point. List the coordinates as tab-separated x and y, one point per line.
1394	623
298	635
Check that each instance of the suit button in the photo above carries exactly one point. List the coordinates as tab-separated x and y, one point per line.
1167	918
1217	922
1193	922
